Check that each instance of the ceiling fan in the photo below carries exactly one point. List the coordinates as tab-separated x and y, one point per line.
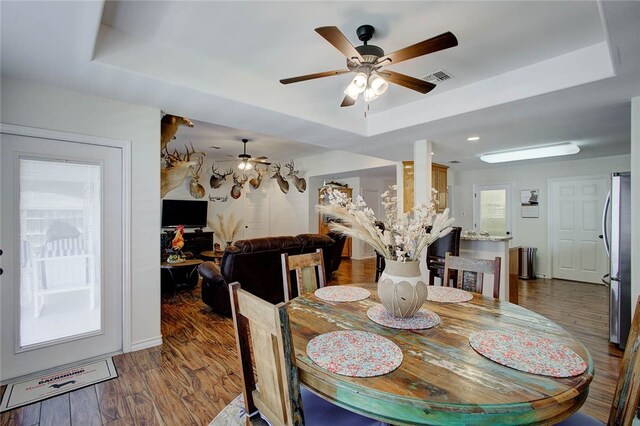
246	160
367	62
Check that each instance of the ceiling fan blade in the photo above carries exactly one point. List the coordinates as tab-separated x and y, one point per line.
312	76
347	101
434	44
408	81
334	36
260	161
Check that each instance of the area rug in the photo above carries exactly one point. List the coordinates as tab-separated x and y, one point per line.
24	392
234	415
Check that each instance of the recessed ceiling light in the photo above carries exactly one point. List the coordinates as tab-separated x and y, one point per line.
473	138
531	153
432	153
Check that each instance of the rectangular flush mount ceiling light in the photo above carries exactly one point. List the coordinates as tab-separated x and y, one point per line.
531	153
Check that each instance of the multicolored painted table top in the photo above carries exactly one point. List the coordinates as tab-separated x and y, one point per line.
342	293
528	352
355	353
441	379
448	295
421	320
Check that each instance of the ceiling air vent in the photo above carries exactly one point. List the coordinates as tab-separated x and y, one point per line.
454	162
438	76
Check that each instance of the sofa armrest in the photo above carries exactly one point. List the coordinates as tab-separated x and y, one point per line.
215	291
209	271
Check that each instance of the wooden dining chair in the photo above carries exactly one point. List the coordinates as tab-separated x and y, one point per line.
471	272
263	340
309	273
627	395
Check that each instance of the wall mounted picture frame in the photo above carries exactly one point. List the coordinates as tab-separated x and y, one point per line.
529	206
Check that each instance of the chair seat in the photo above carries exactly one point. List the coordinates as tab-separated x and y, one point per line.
320	412
580	419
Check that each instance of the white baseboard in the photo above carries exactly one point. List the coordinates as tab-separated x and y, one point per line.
363	257
144	344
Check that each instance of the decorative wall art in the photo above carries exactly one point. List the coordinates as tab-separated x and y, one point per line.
217	179
256	181
298	182
529	206
238	184
282	182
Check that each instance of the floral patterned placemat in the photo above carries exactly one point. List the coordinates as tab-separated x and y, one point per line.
448	295
342	293
355	353
528	352
419	321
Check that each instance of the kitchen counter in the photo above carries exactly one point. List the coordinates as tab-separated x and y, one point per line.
478	237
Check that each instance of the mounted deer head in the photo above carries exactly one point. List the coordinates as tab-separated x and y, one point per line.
169	127
236	189
176	169
299	183
217	179
282	182
256	181
195	189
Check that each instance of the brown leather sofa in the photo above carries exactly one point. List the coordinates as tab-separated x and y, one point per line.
256	265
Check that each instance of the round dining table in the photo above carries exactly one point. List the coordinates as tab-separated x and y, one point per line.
442	380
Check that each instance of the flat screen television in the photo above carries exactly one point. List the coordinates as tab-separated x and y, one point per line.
190	213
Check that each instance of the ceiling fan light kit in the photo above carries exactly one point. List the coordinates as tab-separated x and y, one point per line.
367	62
245	165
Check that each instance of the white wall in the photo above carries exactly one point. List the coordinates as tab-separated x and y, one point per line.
530	232
32	105
635	200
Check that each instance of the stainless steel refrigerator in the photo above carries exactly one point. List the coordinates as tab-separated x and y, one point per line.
616	234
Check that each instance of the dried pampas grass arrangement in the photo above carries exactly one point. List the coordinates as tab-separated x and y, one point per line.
225	229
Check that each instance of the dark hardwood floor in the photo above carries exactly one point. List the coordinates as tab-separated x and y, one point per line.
193	375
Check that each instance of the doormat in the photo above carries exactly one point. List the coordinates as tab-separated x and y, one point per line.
19	393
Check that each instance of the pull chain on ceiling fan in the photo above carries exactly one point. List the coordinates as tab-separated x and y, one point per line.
368	60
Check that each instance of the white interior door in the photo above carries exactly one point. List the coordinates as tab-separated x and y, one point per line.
256	212
62	236
576	209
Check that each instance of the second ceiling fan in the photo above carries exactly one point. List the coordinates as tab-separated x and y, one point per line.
367	62
246	159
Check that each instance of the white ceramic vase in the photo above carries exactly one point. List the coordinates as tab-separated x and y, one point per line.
401	288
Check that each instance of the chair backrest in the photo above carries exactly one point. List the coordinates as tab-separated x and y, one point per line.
263	338
309	273
627	395
449	243
477	268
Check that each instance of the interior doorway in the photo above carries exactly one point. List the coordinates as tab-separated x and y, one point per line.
62	234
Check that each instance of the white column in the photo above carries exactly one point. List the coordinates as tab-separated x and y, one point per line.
635	199
421	172
399	186
422	185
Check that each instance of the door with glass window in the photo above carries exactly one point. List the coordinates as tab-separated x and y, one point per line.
492	209
62	237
